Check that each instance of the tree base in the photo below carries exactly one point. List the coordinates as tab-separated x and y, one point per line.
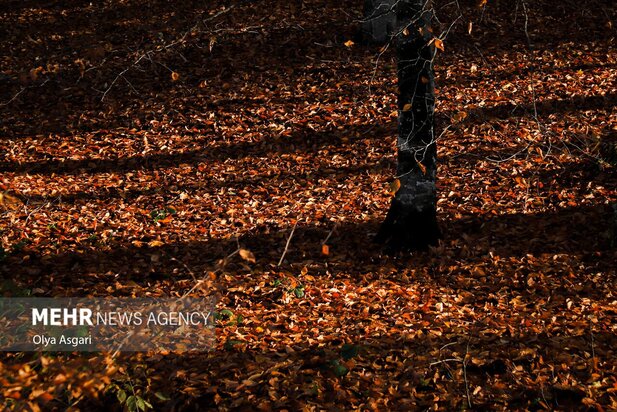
407	230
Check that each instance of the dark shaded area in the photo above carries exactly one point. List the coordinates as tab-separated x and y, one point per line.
410	362
408	230
608	146
503	25
574	230
544	107
308	364
578	231
67	104
69	101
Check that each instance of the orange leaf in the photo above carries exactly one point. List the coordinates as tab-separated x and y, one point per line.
458	117
325	249
9	202
395	186
45	397
421	166
247	255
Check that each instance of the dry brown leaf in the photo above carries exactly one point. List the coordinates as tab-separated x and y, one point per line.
458	117
9	202
325	249
421	166
395	185
247	255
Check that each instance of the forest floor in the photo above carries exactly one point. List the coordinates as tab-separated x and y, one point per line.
142	145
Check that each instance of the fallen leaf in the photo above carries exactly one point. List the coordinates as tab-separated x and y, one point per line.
9	202
247	255
459	116
421	166
395	185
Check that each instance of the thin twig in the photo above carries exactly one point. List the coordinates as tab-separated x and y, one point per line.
148	54
446	360
330	234
465	375
185	267
593	350
287	244
203	279
20	92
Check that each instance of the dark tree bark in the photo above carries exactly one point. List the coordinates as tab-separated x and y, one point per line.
379	21
411	222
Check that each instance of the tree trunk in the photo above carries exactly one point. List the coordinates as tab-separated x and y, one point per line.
379	21
411	222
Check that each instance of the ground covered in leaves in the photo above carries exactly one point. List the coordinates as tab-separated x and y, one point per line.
143	143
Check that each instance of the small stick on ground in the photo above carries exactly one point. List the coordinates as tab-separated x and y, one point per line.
329	234
465	375
287	244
